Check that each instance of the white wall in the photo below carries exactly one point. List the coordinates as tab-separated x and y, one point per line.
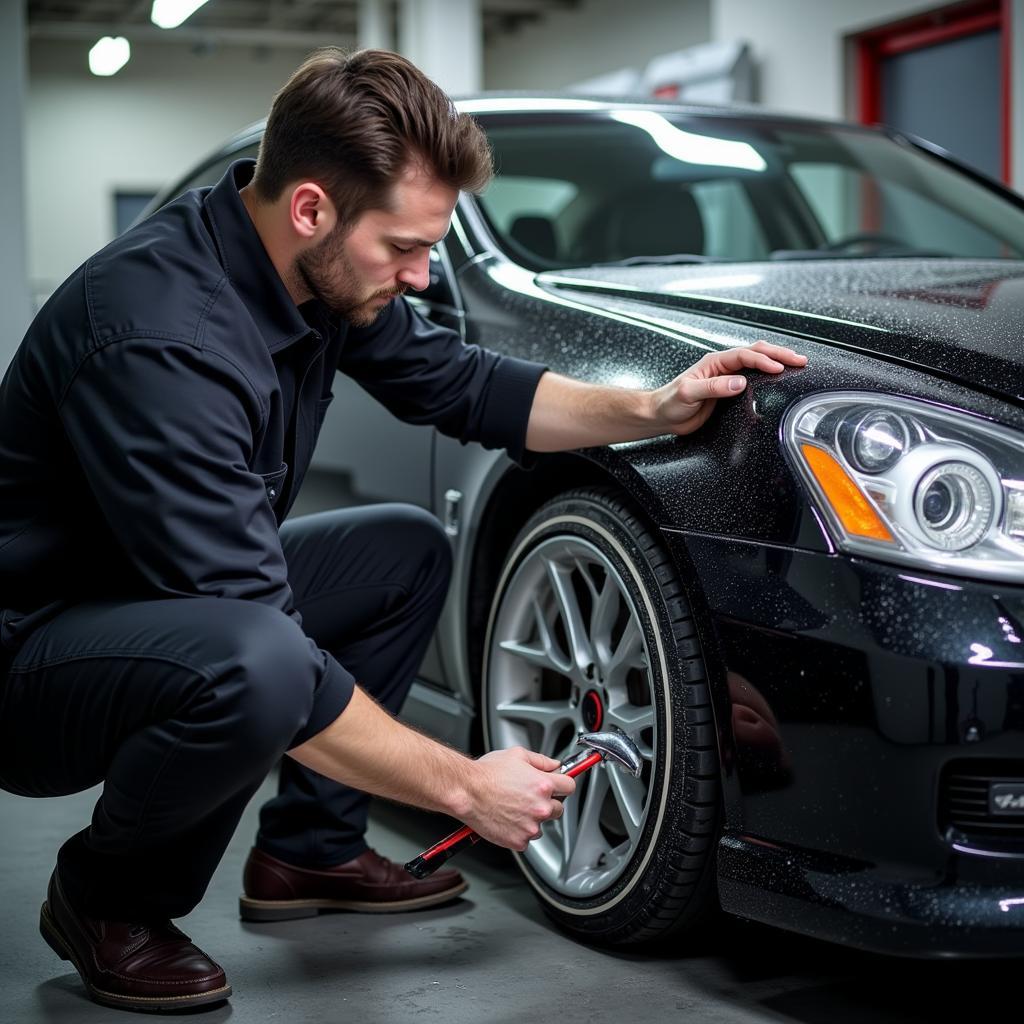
798	45
87	137
596	37
15	309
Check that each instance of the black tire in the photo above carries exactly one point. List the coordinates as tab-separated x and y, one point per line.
666	885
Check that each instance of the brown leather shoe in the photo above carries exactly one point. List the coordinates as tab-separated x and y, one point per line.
276	891
131	966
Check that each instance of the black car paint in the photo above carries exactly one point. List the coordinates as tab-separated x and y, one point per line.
865	666
961	319
862	671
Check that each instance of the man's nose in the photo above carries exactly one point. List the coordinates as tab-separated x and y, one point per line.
416	274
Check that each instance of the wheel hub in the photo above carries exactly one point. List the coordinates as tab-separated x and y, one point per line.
592	711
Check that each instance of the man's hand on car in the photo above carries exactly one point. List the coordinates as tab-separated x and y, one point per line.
684	404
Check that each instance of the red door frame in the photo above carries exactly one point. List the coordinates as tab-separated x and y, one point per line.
938	26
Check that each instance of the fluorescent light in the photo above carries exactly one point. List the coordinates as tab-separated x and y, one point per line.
109	55
690	147
171	13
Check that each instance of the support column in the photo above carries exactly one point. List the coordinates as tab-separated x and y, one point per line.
15	303
444	38
374	25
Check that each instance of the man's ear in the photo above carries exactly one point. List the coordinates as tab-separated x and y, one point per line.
311	212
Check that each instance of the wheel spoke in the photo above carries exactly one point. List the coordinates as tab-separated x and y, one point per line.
560	578
584	570
631	718
589	840
548	655
550	715
634	720
629	653
630	794
535	656
602	619
569	831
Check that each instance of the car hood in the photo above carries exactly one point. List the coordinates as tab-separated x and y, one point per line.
960	319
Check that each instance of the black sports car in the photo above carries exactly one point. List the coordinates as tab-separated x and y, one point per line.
809	615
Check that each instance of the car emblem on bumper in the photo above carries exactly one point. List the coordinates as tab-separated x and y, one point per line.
1006	798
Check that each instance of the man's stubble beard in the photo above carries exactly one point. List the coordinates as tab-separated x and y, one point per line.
326	272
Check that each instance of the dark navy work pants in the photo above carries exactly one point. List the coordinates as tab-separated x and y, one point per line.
181	706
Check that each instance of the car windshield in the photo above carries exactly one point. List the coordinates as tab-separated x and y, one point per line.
644	185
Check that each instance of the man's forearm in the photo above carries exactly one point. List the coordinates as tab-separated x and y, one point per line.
568	413
504	795
368	749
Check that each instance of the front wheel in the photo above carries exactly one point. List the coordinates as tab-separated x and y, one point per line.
590	631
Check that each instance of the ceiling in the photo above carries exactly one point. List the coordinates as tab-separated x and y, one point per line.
255	22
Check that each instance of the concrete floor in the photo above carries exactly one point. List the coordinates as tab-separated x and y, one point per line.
491	956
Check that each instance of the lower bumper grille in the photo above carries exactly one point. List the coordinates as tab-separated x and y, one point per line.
983	799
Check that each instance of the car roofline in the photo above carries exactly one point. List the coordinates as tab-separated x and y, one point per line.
511	102
530	102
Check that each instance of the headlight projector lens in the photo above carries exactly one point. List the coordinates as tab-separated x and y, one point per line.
954	505
878	441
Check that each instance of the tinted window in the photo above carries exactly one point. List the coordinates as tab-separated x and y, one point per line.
577	189
210	173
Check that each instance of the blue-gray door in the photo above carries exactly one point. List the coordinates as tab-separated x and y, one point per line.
949	94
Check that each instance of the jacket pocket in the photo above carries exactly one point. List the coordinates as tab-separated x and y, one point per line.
273	483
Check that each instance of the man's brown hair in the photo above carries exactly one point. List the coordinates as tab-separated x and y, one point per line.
353	122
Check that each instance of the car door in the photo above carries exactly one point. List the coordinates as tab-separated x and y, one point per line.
384	458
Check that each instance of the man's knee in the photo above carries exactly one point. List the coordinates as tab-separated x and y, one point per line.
425	544
265	673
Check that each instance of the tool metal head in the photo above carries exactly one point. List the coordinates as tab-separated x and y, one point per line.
614	746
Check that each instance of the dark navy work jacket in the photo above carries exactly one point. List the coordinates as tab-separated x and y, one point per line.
159	416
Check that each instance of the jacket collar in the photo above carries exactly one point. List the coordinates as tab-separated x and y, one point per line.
247	264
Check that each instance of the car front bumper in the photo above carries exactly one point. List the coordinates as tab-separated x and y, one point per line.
852	700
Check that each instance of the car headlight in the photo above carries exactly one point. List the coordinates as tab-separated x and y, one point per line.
910	482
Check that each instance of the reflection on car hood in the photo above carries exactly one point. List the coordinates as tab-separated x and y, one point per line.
962	319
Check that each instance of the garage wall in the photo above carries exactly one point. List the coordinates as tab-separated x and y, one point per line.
87	137
798	46
596	37
14	297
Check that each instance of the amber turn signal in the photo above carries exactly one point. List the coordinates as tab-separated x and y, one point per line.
849	503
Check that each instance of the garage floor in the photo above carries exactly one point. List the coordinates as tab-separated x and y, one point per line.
490	957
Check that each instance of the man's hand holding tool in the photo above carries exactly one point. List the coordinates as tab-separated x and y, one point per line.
515	830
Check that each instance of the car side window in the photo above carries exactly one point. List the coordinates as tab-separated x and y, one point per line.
525	210
212	172
849	202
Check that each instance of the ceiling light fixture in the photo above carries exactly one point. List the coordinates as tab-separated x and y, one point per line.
171	13
109	55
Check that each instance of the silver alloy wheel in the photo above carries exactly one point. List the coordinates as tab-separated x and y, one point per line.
569	655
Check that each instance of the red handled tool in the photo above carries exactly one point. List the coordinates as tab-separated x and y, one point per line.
613	746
